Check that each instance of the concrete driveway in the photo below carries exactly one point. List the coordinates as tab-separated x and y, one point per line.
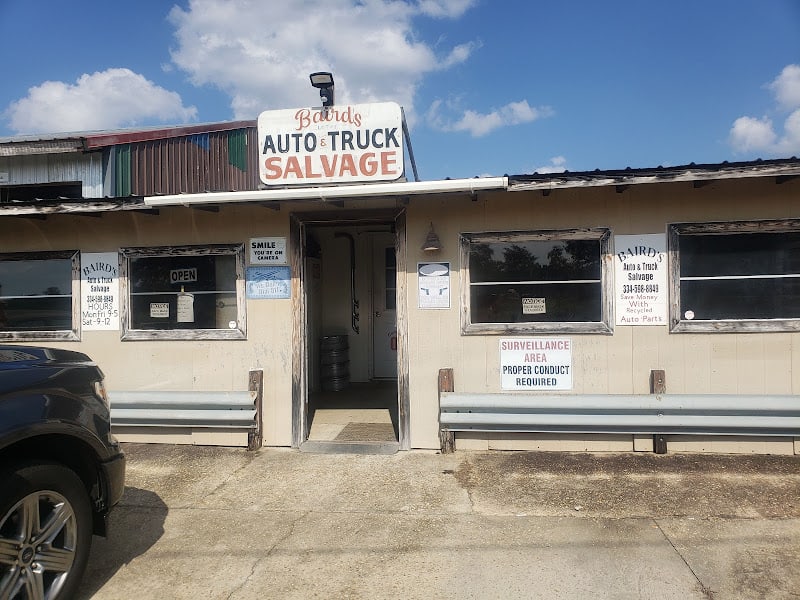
221	523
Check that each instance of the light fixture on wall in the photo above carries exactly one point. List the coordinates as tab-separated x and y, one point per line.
323	81
432	243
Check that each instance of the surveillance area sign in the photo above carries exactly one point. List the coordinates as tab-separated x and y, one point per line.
313	146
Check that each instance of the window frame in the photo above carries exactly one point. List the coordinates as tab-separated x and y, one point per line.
681	325
129	333
604	326
61	335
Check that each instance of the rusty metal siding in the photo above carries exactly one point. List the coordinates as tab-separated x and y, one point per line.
202	162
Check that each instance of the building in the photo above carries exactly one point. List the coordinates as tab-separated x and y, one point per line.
163	254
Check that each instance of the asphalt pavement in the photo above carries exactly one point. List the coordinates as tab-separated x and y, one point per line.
224	523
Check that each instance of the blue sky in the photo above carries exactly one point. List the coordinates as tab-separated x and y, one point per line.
489	87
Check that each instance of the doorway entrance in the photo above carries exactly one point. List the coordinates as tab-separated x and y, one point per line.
348	395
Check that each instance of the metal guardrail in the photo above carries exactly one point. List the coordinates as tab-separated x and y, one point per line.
192	409
634	414
235	410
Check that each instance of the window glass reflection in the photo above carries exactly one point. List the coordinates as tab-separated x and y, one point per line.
36	295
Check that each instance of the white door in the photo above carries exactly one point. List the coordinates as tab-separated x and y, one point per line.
384	307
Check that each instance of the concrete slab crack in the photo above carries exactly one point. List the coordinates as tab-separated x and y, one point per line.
289	533
706	591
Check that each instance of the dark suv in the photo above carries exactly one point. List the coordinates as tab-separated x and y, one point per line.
61	470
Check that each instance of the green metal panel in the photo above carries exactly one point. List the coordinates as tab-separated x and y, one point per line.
122	168
237	149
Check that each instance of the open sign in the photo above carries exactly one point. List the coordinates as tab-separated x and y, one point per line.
183	275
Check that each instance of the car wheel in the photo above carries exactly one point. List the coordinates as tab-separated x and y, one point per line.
45	532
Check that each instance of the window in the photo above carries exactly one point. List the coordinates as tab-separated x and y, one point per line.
536	282
39	296
739	276
183	293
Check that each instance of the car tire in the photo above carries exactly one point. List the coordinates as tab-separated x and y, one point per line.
45	531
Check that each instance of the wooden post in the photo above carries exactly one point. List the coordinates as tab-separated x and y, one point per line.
446	438
658	385
256	384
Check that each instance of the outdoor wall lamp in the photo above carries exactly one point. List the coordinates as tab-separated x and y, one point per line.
432	243
323	81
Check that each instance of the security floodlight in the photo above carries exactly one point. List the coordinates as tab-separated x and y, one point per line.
323	81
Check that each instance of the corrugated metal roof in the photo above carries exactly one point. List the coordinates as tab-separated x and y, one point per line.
111	138
215	157
781	168
219	161
33	147
88	140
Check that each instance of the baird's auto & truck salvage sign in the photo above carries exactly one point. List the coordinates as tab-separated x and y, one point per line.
312	146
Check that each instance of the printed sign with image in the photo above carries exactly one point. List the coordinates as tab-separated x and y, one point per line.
434	285
269	283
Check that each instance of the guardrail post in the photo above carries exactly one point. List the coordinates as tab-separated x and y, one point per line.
256	384
446	437
658	385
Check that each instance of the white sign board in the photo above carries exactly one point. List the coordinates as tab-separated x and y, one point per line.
349	143
268	251
434	285
159	310
640	279
534	306
99	291
536	364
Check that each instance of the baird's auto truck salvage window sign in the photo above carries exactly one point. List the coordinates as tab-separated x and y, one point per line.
348	143
640	279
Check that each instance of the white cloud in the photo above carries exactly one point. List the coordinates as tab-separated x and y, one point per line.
752	134
478	124
104	100
786	87
749	134
558	164
459	54
445	8
260	53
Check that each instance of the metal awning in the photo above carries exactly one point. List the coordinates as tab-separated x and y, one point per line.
340	192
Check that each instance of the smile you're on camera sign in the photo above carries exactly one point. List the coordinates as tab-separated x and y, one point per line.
337	144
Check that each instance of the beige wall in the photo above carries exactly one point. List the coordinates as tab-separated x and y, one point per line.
754	363
723	363
180	365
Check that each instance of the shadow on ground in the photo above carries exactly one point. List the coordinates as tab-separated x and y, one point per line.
135	525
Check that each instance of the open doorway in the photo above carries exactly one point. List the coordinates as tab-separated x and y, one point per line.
348	392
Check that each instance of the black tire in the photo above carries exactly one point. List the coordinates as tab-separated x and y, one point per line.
47	566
